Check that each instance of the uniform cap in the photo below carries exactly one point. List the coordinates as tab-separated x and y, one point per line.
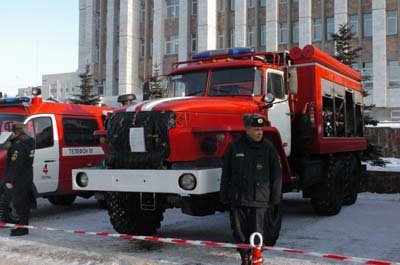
254	120
18	126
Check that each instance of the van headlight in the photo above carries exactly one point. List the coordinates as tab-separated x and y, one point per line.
187	181
82	180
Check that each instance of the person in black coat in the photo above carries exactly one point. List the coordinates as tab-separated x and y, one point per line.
19	175
251	181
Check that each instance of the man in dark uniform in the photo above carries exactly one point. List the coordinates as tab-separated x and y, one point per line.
251	181
19	175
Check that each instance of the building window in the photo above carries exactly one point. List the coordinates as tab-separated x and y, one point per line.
283	33
193	42
355	66
263	35
353	23
330	27
232	38
172	8
391	22
220	5
283	1
250	36
194	7
367	25
295	32
395	115
394	74
232	5
142	47
367	75
316	29
220	40
142	13
263	3
172	45
251	3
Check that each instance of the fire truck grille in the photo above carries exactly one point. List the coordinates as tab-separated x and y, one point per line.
155	127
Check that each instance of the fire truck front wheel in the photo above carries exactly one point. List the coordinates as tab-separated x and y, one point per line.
62	199
327	197
127	217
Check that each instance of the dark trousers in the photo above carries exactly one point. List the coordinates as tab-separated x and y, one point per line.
22	204
245	221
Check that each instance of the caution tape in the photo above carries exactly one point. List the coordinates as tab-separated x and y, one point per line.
206	244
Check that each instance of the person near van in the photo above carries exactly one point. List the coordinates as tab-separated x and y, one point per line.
19	175
251	181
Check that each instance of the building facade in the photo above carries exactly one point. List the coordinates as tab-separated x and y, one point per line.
60	86
124	40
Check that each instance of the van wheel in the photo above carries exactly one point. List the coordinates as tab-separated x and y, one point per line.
327	197
127	217
62	199
352	179
7	213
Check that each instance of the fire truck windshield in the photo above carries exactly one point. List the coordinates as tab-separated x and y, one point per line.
7	120
224	82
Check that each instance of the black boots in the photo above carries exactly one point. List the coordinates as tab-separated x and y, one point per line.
19	232
246	258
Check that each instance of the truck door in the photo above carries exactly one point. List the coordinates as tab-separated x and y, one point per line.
279	113
43	128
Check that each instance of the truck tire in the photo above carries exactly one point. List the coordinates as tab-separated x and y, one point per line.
62	199
7	214
327	197
352	179
127	218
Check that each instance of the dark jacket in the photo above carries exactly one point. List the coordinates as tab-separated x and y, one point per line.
19	171
251	174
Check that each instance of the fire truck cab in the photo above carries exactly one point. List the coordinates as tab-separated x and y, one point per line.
64	140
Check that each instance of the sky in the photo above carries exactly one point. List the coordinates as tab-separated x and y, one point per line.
36	37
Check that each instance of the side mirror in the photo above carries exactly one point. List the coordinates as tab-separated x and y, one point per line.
268	99
293	80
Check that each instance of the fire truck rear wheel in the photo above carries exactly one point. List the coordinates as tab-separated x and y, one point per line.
352	179
62	199
127	217
7	214
327	197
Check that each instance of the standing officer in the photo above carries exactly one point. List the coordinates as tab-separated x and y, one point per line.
19	175
251	182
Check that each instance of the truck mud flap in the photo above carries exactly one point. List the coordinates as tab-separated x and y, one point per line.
147	201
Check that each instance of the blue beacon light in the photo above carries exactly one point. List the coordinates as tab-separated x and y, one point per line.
231	51
14	100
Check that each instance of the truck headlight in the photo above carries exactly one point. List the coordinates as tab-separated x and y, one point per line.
187	181
82	180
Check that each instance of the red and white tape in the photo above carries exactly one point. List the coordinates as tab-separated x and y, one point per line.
207	244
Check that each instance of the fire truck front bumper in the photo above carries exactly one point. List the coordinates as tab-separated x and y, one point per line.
196	182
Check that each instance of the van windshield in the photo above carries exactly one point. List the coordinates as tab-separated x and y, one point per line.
7	120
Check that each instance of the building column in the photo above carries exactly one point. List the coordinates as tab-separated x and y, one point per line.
340	13
110	48
271	24
129	43
240	24
305	23
86	34
379	54
159	34
184	31
207	25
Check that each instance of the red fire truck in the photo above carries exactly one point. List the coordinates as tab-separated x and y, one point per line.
167	153
64	140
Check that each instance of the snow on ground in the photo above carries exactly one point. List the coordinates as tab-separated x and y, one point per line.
368	229
392	165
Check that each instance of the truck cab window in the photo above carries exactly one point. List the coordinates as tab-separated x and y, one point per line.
188	84
79	132
275	85
41	129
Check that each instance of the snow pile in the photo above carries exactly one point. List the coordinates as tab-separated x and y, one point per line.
393	165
